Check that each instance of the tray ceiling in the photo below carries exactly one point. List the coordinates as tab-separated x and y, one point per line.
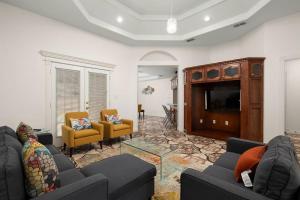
144	21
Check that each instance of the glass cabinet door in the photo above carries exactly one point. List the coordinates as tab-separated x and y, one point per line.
213	73
197	75
231	71
256	70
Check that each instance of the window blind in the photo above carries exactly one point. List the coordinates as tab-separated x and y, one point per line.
97	94
67	95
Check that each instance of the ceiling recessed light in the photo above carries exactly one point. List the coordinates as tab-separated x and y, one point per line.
207	18
120	19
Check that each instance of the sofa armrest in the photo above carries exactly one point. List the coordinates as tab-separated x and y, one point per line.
93	188
98	127
237	145
108	128
196	185
45	138
128	122
68	135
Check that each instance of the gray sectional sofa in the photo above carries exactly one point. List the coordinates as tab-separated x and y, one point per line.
277	174
122	177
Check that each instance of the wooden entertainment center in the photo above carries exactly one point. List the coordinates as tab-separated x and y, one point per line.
225	99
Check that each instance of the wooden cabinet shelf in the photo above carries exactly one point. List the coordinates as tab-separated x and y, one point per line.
202	116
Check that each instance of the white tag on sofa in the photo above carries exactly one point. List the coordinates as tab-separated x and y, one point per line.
246	178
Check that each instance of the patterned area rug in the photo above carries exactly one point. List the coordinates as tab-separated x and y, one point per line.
187	152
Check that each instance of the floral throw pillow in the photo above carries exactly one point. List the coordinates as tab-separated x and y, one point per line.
25	132
115	119
40	169
80	124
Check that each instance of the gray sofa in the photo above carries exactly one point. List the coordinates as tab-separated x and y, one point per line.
277	174
122	177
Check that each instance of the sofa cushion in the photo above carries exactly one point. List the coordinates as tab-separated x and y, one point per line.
11	175
7	140
25	132
85	133
53	150
70	176
249	161
221	173
125	173
118	127
63	162
40	169
8	131
228	160
278	173
280	139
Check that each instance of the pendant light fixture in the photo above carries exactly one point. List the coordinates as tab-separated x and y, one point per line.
172	22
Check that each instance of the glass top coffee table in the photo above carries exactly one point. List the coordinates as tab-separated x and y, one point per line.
137	146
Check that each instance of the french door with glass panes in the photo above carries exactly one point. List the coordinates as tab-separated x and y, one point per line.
76	89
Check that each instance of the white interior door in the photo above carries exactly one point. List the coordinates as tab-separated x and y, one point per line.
77	89
292	120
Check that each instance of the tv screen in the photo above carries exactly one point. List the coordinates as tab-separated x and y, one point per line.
223	98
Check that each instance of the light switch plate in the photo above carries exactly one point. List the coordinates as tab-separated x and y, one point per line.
227	123
214	122
201	121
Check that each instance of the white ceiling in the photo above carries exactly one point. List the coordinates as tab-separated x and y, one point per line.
160	7
156	72
145	20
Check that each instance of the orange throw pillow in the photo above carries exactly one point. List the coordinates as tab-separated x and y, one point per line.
248	160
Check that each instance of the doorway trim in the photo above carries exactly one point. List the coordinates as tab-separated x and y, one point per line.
51	60
166	59
284	61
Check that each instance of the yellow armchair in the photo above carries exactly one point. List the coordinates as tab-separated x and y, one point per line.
73	138
115	130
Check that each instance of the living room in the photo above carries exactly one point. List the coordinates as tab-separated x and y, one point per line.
107	41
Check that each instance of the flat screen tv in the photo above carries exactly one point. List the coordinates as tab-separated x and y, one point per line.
223	98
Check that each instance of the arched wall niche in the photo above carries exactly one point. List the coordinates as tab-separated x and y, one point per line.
157	55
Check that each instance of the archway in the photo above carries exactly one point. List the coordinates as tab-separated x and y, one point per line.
155	68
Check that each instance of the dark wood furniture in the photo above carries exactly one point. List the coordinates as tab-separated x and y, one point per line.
140	110
247	123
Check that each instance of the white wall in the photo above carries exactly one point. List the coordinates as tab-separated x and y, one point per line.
162	95
277	40
292	96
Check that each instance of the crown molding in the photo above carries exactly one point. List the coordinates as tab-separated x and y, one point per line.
144	37
230	21
61	58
